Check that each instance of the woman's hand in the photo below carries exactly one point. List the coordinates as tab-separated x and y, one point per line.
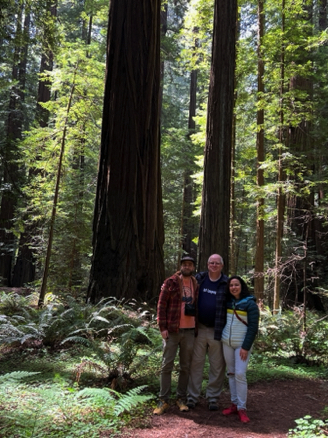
243	354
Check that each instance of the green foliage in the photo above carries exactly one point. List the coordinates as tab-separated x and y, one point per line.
185	47
47	325
111	399
41	146
284	334
16	375
59	410
107	339
121	354
13	303
117	336
85	386
309	427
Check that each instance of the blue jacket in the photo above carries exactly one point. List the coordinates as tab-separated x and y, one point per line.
220	316
236	333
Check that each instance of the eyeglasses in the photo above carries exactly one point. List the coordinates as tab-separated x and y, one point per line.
214	263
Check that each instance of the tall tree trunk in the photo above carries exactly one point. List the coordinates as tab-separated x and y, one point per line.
79	169
214	233
55	201
233	246
281	176
163	33
24	269
233	263
301	208
319	225
322	15
128	232
189	226
47	60
259	254
15	121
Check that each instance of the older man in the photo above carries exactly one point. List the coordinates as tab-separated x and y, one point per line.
211	320
176	317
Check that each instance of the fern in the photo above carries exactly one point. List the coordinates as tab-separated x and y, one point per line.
115	401
104	396
17	375
10	333
12	303
131	399
77	340
118	328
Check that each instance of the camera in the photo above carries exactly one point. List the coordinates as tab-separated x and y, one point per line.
190	309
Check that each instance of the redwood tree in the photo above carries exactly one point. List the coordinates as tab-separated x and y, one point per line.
214	226
24	269
259	254
9	151
189	226
128	232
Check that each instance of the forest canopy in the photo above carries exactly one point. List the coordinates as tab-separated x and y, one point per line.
262	204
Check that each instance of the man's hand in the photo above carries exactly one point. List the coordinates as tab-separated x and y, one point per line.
165	334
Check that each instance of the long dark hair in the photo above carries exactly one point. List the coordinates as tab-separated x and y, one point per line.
244	288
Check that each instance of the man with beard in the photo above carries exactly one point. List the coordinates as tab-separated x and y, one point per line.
176	317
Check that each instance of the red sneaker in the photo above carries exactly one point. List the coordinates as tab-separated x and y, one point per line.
231	410
243	416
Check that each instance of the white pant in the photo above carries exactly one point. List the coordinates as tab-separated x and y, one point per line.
206	344
236	372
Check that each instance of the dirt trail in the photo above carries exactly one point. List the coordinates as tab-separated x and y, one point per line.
272	408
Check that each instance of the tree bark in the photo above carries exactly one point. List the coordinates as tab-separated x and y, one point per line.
301	208
322	15
215	215
233	262
281	177
259	254
15	121
24	269
189	228
128	232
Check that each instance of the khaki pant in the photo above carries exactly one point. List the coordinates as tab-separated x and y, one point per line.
184	340
206	344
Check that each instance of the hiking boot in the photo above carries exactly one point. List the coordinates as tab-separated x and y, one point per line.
212	406
182	406
162	406
231	410
191	404
243	416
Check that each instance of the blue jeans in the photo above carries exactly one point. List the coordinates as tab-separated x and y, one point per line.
236	372
184	340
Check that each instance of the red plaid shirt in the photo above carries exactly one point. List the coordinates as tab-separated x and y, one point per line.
169	303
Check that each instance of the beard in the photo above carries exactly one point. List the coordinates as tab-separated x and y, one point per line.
186	273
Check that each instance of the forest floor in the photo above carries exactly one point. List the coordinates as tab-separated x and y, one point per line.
273	408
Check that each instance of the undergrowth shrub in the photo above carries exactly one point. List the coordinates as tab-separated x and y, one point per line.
284	334
309	427
48	325
119	357
59	410
14	304
118	335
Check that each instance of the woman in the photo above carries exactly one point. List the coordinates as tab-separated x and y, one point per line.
238	337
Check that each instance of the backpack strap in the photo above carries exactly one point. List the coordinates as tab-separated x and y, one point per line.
240	319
